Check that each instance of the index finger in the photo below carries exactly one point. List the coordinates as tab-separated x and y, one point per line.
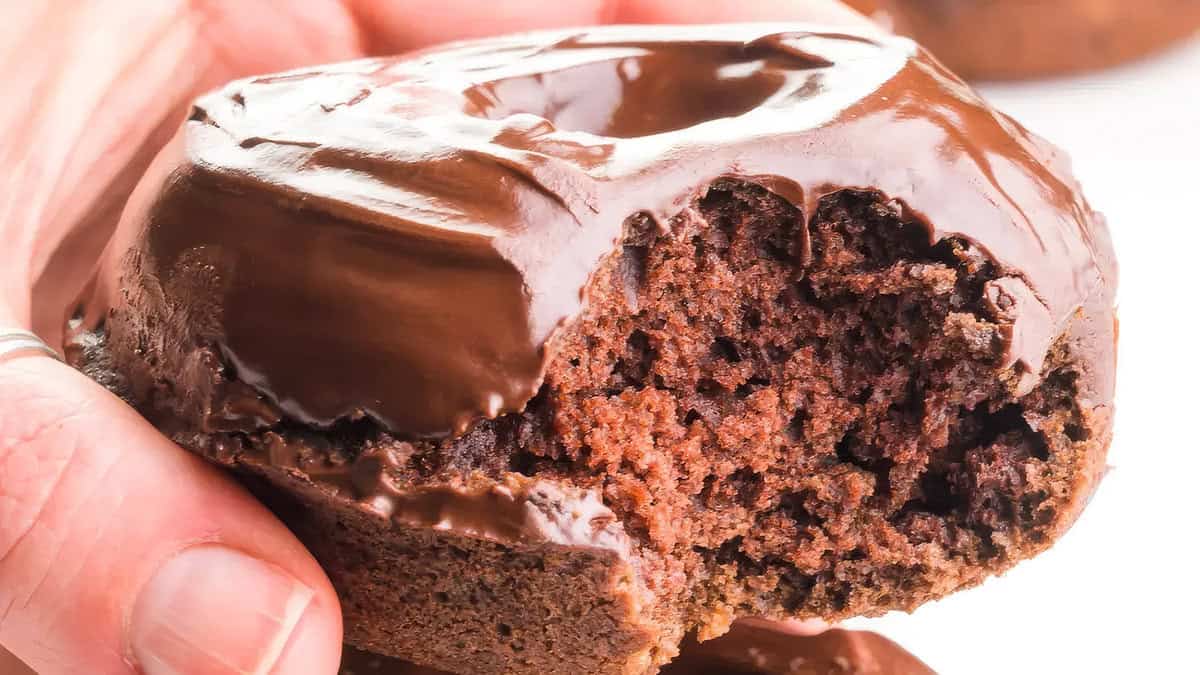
389	27
722	11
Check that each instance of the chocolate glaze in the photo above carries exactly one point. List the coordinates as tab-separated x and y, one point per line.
401	238
513	510
746	650
749	649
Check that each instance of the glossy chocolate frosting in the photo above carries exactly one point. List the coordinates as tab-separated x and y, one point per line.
745	650
400	238
749	649
515	509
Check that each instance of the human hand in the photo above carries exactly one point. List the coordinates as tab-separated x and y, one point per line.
118	551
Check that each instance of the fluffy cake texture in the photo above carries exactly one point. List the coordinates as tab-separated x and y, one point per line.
1012	39
559	347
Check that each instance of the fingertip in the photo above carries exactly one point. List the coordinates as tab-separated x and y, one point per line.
315	647
214	609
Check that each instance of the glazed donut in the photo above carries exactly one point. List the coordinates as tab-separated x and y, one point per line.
1013	39
557	347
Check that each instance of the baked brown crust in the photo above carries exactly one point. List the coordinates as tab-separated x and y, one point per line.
1017	39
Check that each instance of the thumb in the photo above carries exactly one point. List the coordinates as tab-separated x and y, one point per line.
120	553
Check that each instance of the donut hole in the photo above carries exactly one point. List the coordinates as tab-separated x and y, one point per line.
631	93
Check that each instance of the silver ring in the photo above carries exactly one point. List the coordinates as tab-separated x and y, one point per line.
14	341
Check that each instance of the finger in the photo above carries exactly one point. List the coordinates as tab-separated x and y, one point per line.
718	11
390	27
120	553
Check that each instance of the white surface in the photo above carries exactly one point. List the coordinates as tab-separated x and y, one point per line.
1119	593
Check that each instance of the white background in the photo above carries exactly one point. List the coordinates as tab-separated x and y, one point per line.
1118	594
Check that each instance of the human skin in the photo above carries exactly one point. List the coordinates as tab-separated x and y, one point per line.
119	552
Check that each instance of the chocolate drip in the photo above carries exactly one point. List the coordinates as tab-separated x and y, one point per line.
513	510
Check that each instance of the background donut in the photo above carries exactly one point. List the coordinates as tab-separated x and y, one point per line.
1014	39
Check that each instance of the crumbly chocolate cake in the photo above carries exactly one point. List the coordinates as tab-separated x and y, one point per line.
555	348
1011	39
744	650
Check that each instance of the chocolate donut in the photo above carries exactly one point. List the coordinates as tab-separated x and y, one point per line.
557	347
745	650
1013	39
